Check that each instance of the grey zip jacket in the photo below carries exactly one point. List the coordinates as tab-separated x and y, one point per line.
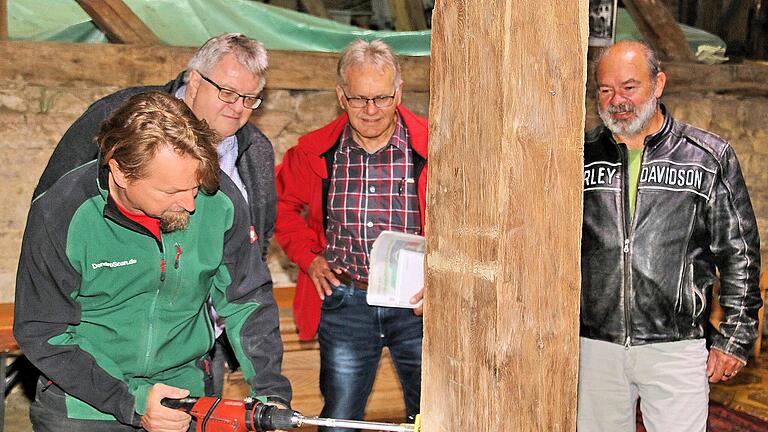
648	277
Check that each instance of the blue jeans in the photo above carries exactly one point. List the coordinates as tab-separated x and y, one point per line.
352	335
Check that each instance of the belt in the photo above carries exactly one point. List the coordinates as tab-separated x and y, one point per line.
347	279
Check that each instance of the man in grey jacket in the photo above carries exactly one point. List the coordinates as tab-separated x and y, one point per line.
665	208
222	85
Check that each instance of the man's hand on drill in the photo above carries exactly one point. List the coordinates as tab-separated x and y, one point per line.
161	419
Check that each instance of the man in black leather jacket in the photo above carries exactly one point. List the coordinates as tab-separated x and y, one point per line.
222	85
665	208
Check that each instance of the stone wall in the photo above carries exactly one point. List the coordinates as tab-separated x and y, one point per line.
33	117
35	112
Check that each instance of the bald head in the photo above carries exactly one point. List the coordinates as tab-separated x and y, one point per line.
630	50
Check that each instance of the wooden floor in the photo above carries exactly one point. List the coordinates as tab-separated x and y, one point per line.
301	364
747	393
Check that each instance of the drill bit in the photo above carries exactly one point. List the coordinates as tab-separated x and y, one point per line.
329	422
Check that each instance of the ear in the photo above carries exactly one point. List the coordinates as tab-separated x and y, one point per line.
118	176
193	85
340	97
399	94
661	81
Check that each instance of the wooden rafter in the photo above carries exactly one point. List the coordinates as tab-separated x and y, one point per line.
408	14
660	29
316	8
118	22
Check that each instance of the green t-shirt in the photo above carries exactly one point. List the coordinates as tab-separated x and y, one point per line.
635	159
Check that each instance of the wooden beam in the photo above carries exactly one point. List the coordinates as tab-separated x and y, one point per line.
72	64
759	33
660	29
408	14
708	14
118	22
81	65
316	8
3	20
504	199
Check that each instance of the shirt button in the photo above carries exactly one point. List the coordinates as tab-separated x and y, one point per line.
369	224
372	189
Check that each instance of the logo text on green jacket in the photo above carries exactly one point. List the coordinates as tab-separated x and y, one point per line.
114	264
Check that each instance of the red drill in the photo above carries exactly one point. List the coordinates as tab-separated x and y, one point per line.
227	415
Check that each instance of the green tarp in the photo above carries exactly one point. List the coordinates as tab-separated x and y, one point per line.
192	22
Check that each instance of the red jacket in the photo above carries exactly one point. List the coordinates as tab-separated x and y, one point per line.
299	186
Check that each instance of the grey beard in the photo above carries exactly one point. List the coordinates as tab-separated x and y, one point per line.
174	221
629	128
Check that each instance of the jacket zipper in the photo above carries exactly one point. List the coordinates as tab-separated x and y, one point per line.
629	230
153	310
173	295
178	255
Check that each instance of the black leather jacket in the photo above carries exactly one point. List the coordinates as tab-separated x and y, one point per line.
648	278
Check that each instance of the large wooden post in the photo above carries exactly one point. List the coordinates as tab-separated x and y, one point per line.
504	215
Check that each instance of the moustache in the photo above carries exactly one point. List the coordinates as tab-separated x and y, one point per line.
622	107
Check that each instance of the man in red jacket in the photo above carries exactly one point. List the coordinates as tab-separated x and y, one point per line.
363	173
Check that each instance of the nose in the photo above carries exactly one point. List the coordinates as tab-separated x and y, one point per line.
237	106
370	107
618	98
187	200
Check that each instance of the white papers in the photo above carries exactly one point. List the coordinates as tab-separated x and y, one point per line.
397	269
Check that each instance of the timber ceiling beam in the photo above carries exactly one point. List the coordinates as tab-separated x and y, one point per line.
660	29
118	22
316	8
119	65
408	15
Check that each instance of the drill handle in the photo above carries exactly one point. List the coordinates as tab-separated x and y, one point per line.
183	404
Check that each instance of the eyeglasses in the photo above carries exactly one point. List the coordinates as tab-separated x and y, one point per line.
231	96
362	102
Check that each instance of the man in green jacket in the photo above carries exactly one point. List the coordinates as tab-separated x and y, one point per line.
118	261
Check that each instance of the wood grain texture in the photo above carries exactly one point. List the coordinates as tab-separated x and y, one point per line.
118	22
660	29
130	65
504	215
3	20
70	64
408	15
7	341
316	8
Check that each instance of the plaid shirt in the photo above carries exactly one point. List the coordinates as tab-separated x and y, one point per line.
369	193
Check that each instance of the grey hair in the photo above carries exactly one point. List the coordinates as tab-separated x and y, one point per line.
249	52
375	53
651	58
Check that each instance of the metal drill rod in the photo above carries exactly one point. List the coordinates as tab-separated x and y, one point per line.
329	422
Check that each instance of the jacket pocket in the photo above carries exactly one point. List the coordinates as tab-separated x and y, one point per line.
691	300
336	300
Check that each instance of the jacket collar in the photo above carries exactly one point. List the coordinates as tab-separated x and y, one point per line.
317	142
650	140
666	127
111	211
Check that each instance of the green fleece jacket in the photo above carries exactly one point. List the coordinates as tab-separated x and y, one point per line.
105	310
